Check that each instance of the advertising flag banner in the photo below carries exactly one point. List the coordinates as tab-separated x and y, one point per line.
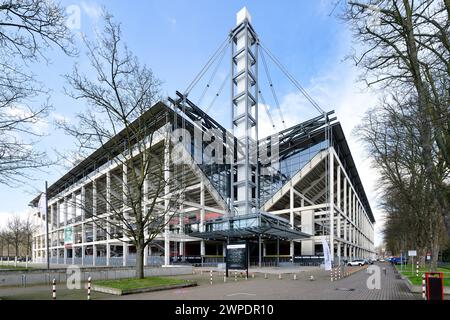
326	255
68	236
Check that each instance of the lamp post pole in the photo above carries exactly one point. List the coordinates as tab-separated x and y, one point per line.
46	228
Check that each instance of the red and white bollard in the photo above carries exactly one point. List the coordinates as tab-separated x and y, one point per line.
54	289
210	277
89	289
424	288
417	269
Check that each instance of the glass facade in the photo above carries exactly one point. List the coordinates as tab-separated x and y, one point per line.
289	165
212	165
292	160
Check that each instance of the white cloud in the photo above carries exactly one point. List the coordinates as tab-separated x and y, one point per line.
36	125
5	216
92	10
60	118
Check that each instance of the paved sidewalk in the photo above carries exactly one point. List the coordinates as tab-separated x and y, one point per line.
273	288
351	288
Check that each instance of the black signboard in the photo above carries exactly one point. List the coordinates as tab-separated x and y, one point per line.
237	257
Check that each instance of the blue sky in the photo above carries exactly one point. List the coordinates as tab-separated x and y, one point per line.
175	38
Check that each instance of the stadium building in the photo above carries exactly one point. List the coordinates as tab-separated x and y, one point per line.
308	192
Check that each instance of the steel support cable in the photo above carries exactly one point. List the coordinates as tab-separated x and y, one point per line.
292	79
225	80
269	79
267	109
206	66
213	75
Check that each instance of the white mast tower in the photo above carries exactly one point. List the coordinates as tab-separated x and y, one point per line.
244	95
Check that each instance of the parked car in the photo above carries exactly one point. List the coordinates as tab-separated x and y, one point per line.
358	262
399	260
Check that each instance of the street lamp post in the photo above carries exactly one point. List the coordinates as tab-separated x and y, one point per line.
46	228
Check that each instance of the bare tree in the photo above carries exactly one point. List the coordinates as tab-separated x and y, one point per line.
406	47
142	196
14	227
28	230
27	29
4	242
392	133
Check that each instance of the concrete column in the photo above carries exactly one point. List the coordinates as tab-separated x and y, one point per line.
144	206
338	225
339	187
202	248
308	227
181	249
124	208
146	256
202	217
331	200
94	226
354	208
345	196
58	213
83	237
108	253
125	254
166	201
50	222
66	210
72	215
338	250
345	251
108	224
291	220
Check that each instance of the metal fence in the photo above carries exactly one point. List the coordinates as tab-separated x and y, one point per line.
62	275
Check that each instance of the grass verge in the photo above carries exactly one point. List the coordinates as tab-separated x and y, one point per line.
18	268
417	280
132	283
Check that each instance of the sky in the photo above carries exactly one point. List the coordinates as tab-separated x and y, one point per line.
176	38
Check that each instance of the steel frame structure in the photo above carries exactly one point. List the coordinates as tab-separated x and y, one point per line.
316	192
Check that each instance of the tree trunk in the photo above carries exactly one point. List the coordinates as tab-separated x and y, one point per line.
434	254
139	261
421	255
